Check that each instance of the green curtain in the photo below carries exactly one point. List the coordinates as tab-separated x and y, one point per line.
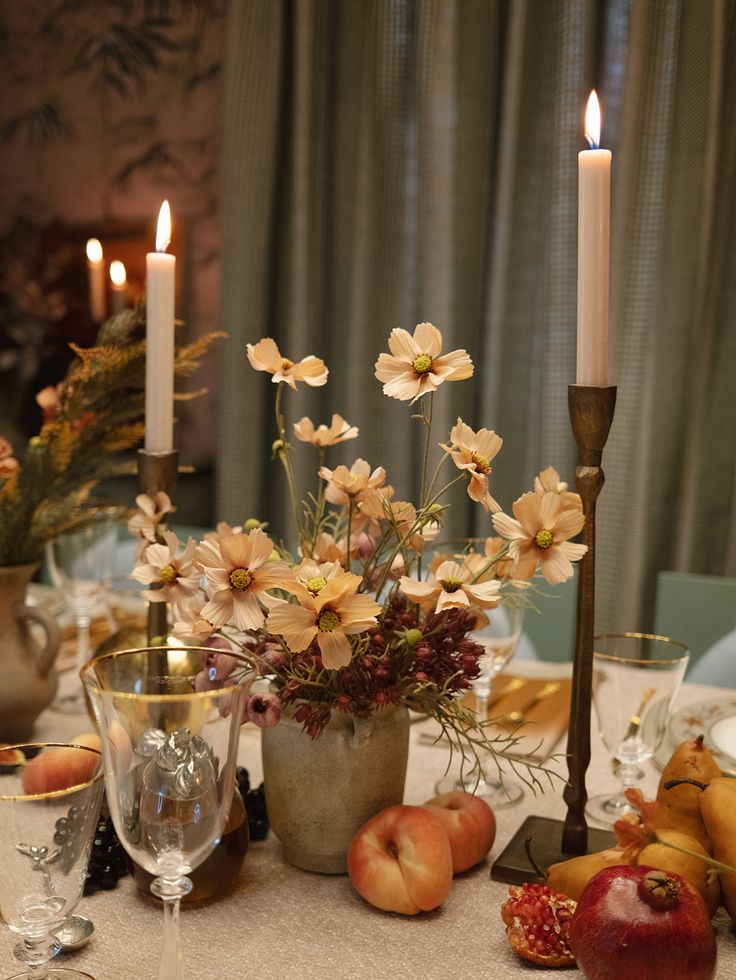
392	161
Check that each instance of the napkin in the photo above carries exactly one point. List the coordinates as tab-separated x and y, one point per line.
544	722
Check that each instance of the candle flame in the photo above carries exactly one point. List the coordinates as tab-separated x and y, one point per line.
593	121
118	274
94	250
163	228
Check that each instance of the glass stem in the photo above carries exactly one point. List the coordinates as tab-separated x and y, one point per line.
83	644
628	774
171	891
35	954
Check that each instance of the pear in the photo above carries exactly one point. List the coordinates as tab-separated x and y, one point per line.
718	805
679	807
571	876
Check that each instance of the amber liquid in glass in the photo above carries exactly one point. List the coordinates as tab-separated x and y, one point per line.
220	871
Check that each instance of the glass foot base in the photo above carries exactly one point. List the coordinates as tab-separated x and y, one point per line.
496	794
607	808
58	973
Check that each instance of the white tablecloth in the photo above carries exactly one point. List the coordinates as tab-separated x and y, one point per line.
284	924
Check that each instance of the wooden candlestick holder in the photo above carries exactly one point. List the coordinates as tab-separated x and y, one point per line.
591	414
156	473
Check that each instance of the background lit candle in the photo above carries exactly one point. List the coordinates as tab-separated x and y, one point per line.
594	219
160	279
118	286
96	270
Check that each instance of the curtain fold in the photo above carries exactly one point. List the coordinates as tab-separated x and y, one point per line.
392	161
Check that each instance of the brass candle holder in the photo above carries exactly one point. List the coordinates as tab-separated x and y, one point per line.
156	473
591	414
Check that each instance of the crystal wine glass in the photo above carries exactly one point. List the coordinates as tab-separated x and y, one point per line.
47	824
499	640
636	677
169	751
80	563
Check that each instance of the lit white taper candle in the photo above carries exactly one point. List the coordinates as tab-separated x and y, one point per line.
118	286
160	280
96	270
594	220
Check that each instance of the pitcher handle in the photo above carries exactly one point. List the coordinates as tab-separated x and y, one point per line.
362	731
47	655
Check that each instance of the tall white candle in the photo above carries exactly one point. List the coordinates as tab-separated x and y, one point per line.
118	286
594	220
160	280
96	271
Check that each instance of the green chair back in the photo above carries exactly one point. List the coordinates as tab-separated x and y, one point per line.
695	609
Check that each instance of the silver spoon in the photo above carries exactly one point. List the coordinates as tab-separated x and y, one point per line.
74	933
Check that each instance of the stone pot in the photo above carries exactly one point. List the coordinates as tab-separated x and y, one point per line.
320	791
29	681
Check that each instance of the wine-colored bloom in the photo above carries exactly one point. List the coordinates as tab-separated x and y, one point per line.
415	366
451	586
151	511
473	451
238	573
264	709
8	463
177	578
357	483
544	523
337	431
48	400
330	616
265	356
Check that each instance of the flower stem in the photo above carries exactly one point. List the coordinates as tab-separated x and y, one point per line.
705	858
284	456
427	419
350	531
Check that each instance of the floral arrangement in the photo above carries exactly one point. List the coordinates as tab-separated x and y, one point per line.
89	419
351	621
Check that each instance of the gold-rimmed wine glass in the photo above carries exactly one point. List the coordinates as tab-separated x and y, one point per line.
47	824
636	677
169	732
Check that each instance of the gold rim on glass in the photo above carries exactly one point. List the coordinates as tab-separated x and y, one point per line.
634	661
111	692
55	793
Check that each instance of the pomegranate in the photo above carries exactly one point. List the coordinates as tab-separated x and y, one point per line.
642	924
537	920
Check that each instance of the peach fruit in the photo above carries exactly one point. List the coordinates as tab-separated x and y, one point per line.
469	823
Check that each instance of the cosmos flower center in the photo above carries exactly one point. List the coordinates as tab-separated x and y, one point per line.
286	364
451	584
168	575
481	463
422	364
328	621
241	579
543	539
316	584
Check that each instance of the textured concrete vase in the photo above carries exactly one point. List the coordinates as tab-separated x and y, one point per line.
320	791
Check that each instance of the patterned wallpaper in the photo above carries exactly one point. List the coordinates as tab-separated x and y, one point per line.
109	106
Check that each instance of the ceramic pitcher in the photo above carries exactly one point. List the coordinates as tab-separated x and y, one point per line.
27	678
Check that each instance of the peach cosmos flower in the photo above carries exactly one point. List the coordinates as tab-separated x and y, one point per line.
337	431
177	577
450	587
8	463
357	483
415	366
330	616
326	548
634	837
544	523
151	511
548	481
265	356
473	451
191	623
238	573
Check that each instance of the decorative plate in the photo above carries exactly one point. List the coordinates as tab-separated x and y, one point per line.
716	719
